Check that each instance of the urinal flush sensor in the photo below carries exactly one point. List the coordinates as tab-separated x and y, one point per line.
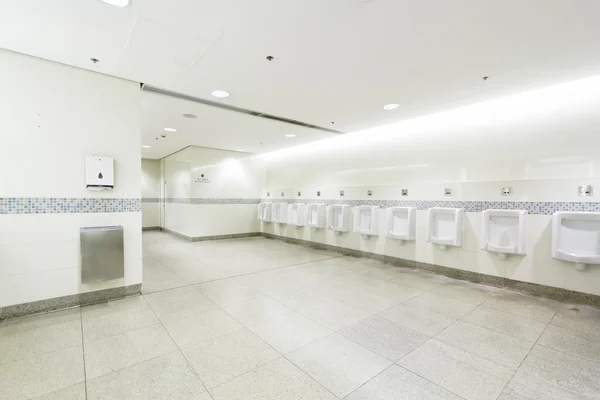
99	173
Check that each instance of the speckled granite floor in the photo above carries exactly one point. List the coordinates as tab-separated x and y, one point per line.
261	319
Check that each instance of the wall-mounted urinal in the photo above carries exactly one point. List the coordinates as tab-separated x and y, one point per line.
445	226
339	216
279	212
316	215
367	221
264	211
296	214
503	231
401	223
576	238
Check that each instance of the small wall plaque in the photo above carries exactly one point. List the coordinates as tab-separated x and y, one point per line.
448	192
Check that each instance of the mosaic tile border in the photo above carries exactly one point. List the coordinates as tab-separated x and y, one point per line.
533	207
67	205
203	200
150	200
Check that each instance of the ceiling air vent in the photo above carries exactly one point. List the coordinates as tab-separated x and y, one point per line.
151	89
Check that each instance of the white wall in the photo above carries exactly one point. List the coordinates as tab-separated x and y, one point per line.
543	144
222	201
51	117
150	193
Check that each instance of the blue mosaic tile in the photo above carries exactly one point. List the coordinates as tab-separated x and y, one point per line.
66	205
201	200
536	208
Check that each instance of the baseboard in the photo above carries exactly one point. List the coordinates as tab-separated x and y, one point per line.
57	303
150	228
551	292
212	237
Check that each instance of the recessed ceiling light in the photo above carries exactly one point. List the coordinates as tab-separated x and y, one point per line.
170	129
117	3
189	115
389	107
290	135
145	146
220	93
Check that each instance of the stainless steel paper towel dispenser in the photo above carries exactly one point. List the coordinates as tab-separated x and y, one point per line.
102	253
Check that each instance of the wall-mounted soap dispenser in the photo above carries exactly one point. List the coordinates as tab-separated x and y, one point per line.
99	173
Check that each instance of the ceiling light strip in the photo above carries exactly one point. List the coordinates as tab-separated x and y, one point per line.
152	89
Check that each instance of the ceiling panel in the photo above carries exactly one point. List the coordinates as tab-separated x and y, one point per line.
337	62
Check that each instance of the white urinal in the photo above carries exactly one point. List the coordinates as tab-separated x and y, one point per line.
445	226
264	211
315	215
296	214
401	223
367	221
338	217
503	231
279	212
576	238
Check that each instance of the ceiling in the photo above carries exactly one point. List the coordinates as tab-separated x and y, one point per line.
334	60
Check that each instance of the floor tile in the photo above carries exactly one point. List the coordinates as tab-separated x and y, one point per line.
289	332
116	352
458	371
522	306
220	359
396	291
75	392
333	314
166	377
203	396
277	380
224	292
41	374
397	383
585	323
116	317
258	309
524	387
565	372
190	327
176	300
417	318
384	337
443	304
27	337
467	292
503	349
509	324
418	281
576	343
369	301
159	278
338	364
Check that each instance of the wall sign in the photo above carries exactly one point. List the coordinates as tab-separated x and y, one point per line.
202	179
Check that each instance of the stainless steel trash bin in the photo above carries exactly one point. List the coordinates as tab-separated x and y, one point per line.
102	254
